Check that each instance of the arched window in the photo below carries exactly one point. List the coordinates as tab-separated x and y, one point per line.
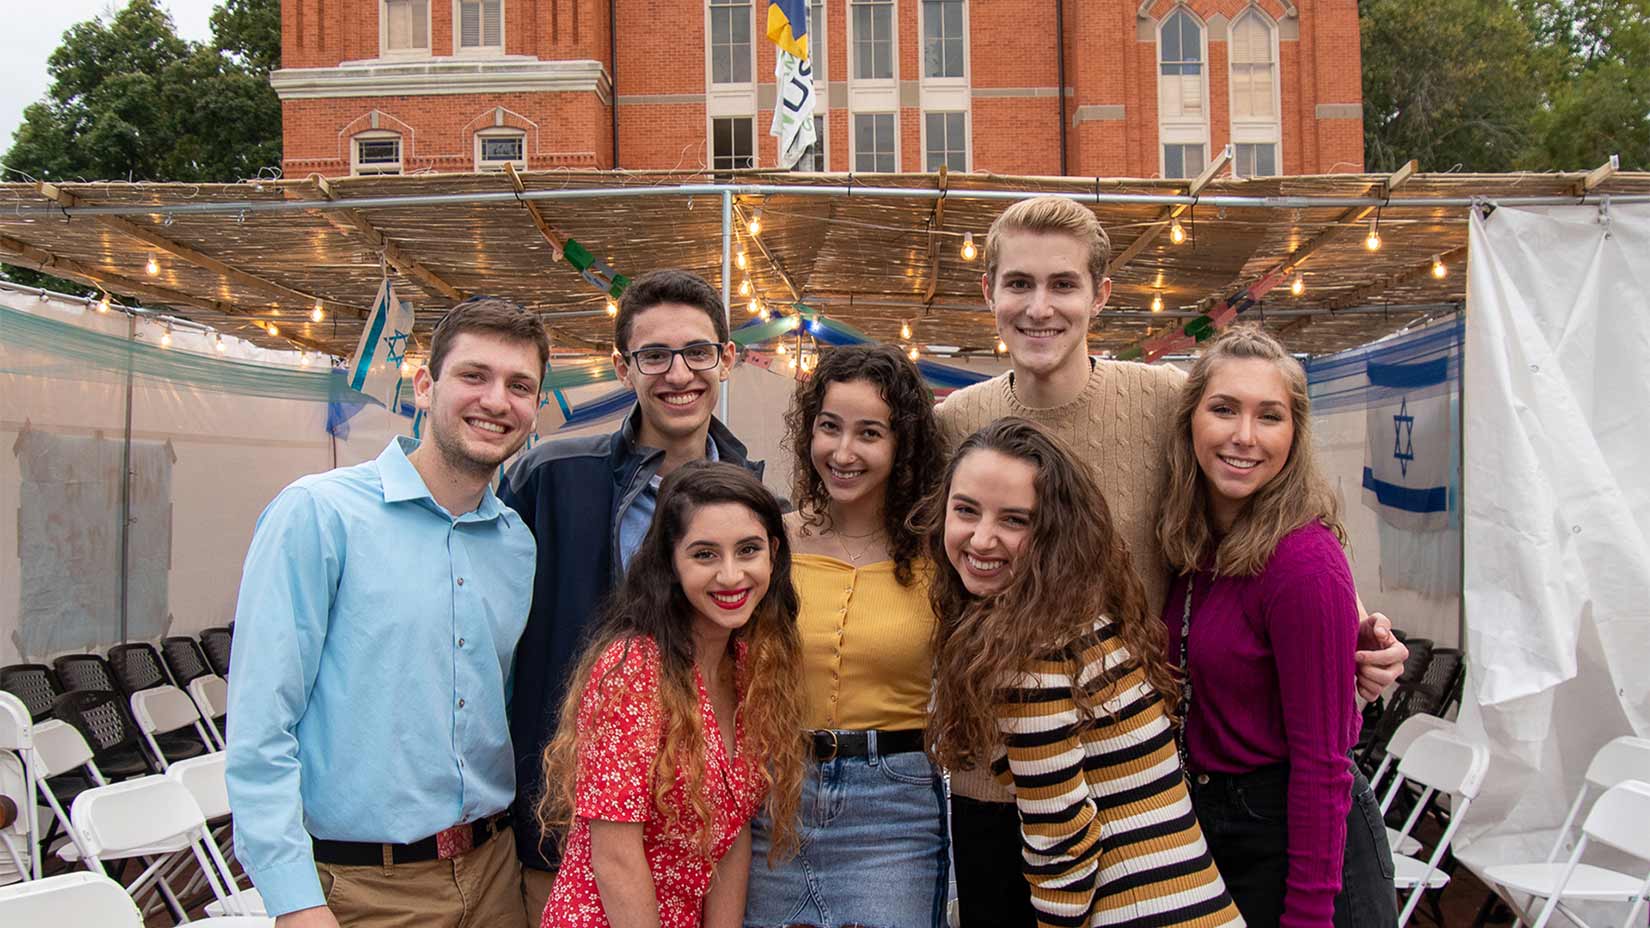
1182	108
1255	129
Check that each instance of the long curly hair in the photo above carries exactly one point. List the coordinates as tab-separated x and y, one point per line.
918	451
650	603
1296	496
1073	568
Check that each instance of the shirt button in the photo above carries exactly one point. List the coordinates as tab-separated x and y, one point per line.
461	703
460	581
461	642
1203	779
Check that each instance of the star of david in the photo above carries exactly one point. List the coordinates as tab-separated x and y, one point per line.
397	344
1403	437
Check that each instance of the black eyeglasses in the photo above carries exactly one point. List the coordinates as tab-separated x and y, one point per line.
699	356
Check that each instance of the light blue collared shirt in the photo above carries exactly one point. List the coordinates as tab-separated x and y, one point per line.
373	640
638	516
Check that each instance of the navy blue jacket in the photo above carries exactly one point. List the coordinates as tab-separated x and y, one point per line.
570	493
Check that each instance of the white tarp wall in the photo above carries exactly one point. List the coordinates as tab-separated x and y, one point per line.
1557	502
1385	427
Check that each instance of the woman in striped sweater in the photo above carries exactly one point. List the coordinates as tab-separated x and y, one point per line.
1050	670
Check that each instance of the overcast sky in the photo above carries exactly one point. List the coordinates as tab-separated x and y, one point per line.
27	40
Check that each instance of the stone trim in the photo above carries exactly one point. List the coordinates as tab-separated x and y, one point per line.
1103	112
1340	111
1020	92
517	74
662	99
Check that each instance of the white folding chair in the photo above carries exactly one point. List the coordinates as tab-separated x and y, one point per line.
1413	727
164	709
17	737
17	845
60	748
86	900
1621	819
1618	761
152	818
211	695
204	778
1439	763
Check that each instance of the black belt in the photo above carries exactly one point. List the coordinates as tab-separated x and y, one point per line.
372	854
829	745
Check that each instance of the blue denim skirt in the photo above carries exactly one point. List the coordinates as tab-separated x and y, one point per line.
873	849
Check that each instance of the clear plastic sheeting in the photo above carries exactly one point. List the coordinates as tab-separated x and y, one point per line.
1557	510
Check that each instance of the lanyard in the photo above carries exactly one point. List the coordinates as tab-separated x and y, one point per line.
1185	706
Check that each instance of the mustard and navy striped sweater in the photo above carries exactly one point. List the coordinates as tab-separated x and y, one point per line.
1107	828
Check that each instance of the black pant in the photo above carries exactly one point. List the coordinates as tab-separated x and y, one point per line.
992	891
1244	819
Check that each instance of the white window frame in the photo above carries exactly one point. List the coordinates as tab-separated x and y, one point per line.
481	51
853	140
500	133
819	158
710	139
922	45
817	41
1257	131
357	169
710	57
1182	131
384	50
893	43
967	137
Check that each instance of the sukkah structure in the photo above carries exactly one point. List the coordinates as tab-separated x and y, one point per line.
1325	262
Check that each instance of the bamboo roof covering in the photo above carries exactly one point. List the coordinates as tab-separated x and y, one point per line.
239	257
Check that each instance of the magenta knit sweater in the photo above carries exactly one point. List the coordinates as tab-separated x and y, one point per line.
1272	671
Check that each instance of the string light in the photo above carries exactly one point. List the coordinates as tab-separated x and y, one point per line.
103	304
1372	241
318	313
1439	271
612	308
756	308
905	330
407	368
1002	346
166	337
742	260
745	287
764	315
969	252
1297	286
1157	302
913	354
303	359
1177	232
153	267
217	342
755	223
783	349
273	329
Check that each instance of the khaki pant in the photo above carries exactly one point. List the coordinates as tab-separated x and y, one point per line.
481	889
535	893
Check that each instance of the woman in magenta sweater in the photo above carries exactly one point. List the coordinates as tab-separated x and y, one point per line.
1263	622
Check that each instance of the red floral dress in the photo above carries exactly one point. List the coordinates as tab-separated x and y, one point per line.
621	730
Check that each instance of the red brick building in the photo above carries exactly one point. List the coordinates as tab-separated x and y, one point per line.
1150	87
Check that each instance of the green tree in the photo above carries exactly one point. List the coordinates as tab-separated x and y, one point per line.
1599	101
1450	83
130	100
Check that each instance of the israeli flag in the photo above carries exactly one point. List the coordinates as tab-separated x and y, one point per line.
1407	453
793	110
375	368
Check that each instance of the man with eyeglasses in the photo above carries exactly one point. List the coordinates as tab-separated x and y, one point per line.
590	500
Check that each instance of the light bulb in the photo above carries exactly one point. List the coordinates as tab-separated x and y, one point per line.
318	313
905	330
166	337
612	308
1157	302
1002	346
303	359
742	260
969	252
783	349
913	354
1372	241
745	287
153	267
755	307
764	315
755	223
217	342
1297	286
407	368
1439	271
103	304
273	329
1177	232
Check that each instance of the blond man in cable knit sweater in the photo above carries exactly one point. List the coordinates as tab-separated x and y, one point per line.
1045	282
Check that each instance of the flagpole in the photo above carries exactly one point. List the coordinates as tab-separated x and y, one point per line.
727	293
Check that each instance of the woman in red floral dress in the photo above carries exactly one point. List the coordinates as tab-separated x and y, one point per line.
684	715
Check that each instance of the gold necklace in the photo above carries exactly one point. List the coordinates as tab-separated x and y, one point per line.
853	558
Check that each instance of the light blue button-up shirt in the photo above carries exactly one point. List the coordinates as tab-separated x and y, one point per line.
637	517
373	639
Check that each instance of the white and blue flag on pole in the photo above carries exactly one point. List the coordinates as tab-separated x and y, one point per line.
1407	457
793	110
375	368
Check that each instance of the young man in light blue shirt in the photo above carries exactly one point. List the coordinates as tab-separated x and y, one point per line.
369	761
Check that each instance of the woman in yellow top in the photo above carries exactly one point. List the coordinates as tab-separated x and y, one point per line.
867	449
